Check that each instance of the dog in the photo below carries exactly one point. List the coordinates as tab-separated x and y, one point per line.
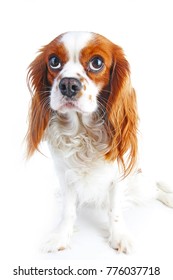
83	104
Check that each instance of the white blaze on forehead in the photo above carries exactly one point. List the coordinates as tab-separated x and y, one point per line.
74	42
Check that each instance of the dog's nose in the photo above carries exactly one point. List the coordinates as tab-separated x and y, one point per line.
70	86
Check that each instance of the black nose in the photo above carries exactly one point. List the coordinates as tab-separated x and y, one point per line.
70	86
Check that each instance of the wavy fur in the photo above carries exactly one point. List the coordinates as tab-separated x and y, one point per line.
122	114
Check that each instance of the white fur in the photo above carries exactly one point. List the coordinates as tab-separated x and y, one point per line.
74	42
85	177
78	141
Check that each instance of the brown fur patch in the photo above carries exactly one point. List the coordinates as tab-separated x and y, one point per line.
82	79
40	78
79	94
61	248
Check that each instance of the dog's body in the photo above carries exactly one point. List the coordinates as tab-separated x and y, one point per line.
85	107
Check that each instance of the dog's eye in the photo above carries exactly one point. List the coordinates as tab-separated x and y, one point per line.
96	64
55	63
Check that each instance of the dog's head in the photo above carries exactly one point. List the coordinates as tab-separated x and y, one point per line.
86	73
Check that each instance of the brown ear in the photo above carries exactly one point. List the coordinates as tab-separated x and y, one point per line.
39	110
122	114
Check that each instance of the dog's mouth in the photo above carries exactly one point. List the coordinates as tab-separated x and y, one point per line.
71	105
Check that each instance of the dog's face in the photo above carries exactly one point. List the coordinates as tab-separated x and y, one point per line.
78	65
84	72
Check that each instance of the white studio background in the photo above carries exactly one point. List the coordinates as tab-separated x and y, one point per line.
144	29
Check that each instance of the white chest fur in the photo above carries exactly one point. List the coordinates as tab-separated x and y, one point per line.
78	145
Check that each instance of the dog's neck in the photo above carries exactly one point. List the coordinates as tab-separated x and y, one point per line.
76	133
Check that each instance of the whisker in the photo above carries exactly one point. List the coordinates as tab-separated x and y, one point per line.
106	90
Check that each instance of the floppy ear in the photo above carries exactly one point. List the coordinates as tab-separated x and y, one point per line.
122	114
39	110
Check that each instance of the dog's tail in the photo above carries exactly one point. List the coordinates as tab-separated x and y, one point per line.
141	190
164	193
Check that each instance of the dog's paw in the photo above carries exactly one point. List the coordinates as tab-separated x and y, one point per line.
121	242
57	241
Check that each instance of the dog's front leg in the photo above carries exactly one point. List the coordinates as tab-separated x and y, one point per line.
119	239
60	238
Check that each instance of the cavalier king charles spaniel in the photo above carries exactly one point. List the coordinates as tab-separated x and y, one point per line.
84	106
